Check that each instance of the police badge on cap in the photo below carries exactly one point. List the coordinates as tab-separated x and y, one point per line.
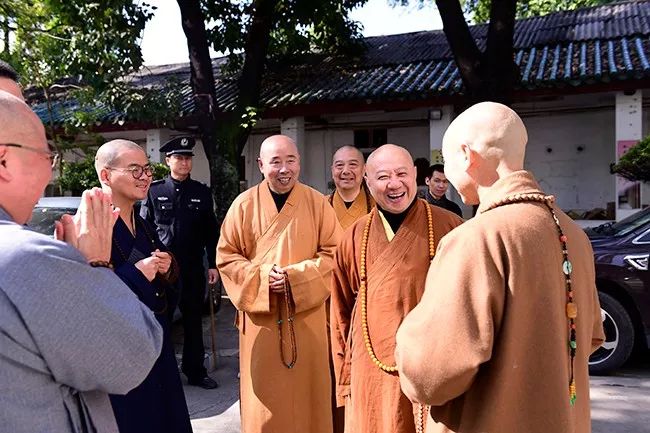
179	146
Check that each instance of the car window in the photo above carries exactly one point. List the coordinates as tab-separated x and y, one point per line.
643	239
43	218
630	223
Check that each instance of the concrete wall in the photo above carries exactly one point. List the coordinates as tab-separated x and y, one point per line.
579	179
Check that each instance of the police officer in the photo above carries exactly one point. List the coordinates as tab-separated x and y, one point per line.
182	210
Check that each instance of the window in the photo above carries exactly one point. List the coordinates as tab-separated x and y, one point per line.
370	139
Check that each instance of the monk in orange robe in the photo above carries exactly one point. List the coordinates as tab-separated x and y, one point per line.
351	199
510	314
381	265
275	256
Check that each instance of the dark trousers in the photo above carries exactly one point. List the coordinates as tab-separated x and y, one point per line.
192	281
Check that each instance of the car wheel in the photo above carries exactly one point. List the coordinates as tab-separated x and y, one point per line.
619	337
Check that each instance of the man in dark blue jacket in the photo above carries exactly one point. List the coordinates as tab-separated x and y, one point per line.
183	212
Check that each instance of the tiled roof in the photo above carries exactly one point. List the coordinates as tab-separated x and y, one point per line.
574	48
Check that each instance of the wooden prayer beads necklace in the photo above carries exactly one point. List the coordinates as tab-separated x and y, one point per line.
292	333
363	285
567	269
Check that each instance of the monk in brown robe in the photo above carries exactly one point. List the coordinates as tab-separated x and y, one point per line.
275	256
510	313
381	265
351	199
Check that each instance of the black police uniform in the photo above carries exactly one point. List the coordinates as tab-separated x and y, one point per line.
183	214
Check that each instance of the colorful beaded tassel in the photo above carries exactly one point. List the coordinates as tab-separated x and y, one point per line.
567	269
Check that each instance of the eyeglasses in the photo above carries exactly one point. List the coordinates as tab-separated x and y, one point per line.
136	170
52	155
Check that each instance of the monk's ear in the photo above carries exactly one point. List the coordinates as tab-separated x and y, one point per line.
467	157
104	178
5	173
259	164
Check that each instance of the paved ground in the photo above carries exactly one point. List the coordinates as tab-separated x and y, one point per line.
620	403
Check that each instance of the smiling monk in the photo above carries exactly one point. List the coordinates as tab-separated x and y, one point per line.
382	260
275	255
351	199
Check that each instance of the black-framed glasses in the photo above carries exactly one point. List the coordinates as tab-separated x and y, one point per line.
51	154
136	170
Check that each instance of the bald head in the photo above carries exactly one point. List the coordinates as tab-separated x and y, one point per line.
271	145
349	152
279	162
390	174
108	155
491	129
386	152
484	143
25	166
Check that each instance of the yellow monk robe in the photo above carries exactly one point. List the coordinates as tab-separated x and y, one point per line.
488	344
302	239
396	272
360	207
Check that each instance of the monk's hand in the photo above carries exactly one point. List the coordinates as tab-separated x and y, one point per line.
213	276
277	278
92	228
165	261
148	267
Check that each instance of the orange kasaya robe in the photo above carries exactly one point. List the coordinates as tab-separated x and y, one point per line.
487	346
396	272
301	239
360	207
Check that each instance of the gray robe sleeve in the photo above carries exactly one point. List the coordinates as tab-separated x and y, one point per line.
90	330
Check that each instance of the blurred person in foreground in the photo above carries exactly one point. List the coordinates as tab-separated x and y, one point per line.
70	330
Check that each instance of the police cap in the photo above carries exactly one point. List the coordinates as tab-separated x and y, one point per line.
179	146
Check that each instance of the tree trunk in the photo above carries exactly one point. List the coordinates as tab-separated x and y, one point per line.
224	141
489	75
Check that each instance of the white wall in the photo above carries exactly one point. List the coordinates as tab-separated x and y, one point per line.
414	138
578	179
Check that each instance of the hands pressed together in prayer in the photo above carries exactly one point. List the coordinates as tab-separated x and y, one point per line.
277	278
91	229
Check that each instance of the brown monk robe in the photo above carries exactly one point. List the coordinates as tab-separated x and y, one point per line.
489	345
351	199
396	262
278	242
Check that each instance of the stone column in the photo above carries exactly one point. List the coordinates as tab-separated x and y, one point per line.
155	139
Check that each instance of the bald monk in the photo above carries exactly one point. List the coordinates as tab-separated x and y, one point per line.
501	338
275	256
351	199
394	244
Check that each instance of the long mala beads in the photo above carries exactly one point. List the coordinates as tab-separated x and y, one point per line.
364	300
567	269
292	333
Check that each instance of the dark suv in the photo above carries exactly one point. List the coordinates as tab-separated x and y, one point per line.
621	253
